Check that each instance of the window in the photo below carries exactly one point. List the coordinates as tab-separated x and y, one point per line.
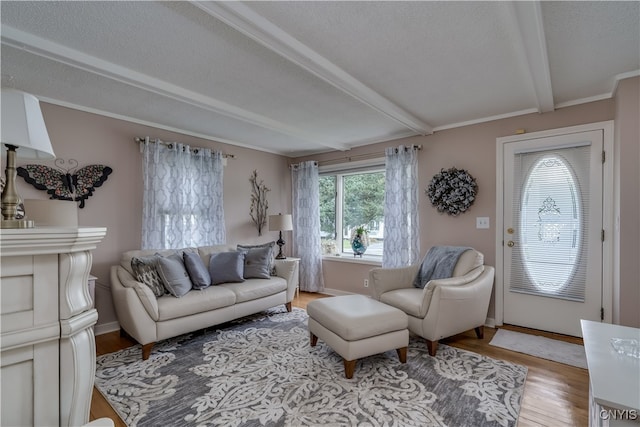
348	200
551	224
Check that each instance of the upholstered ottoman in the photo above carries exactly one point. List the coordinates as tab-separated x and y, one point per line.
356	326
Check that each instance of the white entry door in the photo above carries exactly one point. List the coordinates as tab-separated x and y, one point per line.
552	237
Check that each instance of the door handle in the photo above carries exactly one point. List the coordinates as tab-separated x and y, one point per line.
511	243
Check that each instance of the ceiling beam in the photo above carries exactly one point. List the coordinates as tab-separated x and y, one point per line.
47	49
527	17
247	21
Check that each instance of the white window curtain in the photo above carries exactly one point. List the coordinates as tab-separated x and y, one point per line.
183	196
306	225
401	246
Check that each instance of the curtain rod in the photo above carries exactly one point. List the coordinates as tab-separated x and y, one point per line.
169	144
365	156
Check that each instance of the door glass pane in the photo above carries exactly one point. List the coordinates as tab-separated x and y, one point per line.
551	219
550	224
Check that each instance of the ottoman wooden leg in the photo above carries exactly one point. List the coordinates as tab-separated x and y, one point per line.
313	339
402	354
349	368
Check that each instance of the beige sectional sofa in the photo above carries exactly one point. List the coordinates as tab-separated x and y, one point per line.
149	318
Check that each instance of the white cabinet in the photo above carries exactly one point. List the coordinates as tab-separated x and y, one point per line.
47	357
614	379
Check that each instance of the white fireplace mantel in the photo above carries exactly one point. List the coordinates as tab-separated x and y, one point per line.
46	321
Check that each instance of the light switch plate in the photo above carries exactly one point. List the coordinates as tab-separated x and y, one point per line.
482	222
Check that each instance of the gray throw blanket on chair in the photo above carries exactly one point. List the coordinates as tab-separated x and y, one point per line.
439	263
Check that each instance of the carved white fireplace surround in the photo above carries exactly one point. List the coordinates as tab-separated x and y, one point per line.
47	348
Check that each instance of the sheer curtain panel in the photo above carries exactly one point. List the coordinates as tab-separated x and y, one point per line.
401	246
183	196
306	225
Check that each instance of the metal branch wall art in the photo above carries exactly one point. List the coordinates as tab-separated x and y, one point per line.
67	182
259	203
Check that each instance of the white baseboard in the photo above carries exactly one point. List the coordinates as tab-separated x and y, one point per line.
336	292
490	322
106	328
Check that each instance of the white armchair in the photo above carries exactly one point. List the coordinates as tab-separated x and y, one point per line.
445	307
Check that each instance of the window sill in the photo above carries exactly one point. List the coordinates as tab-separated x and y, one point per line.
377	261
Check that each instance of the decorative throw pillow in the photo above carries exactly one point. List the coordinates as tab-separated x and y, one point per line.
226	267
257	263
198	272
254	260
174	275
145	271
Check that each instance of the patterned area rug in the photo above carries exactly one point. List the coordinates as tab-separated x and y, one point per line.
261	371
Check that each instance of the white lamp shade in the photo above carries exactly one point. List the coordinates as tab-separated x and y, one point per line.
280	222
23	125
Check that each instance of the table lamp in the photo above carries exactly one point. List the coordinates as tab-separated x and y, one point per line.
280	223
22	127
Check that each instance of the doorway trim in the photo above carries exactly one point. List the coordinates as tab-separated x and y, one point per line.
609	213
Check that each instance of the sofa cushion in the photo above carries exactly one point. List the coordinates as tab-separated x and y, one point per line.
439	262
468	261
174	275
226	267
198	271
125	260
257	261
260	262
206	251
194	302
256	288
144	269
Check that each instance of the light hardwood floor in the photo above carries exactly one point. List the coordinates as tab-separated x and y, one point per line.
555	394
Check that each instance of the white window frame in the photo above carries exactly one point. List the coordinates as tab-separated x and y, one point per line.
339	170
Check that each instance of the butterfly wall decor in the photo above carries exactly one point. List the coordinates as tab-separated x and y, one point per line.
67	182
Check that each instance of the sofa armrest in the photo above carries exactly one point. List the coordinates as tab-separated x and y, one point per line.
288	270
388	279
142	291
457	308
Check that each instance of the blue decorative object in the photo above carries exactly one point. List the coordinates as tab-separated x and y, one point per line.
359	241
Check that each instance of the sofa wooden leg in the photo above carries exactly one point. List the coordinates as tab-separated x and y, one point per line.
349	368
288	305
313	339
402	354
433	347
146	350
480	332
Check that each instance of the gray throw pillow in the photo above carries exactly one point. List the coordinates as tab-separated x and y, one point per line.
145	271
257	263
198	272
174	275
226	267
254	264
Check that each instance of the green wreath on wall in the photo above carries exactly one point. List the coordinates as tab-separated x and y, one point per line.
452	191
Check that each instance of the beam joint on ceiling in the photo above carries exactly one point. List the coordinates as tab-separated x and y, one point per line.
62	54
527	17
245	20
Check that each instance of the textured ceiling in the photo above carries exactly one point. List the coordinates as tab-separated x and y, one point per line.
297	78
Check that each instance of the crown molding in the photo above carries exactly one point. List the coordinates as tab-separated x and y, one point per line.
129	119
56	52
245	20
533	50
